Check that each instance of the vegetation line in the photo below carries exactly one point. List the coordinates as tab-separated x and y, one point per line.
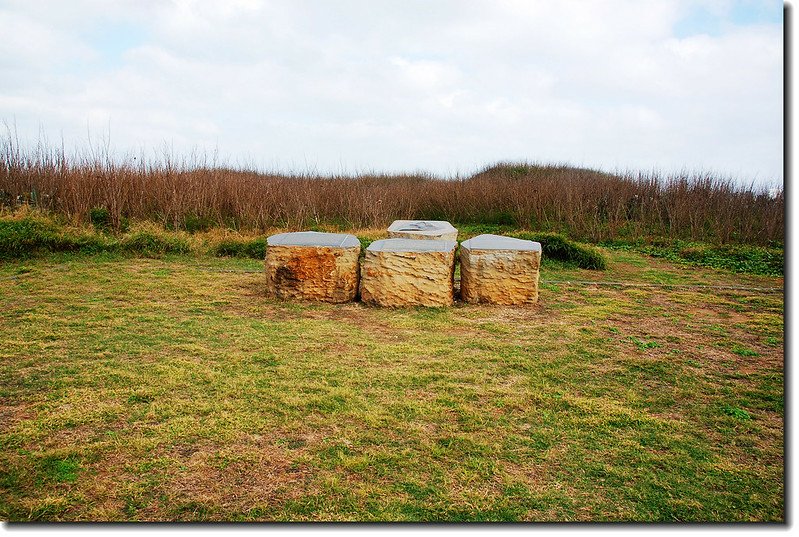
583	204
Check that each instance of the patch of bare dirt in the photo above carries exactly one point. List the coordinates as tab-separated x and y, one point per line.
242	477
217	479
11	414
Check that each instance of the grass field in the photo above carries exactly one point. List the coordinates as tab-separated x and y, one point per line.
171	389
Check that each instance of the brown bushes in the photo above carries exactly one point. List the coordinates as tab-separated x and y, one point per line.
586	204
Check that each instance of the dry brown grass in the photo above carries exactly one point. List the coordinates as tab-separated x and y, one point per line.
194	194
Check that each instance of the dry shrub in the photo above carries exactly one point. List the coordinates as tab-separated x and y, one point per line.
585	204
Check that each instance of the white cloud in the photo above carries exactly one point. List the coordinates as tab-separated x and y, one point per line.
397	86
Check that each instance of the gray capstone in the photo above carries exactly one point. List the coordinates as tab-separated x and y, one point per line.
498	242
313	238
422	227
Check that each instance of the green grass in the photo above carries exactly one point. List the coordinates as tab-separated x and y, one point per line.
170	388
20	238
739	258
33	235
251	248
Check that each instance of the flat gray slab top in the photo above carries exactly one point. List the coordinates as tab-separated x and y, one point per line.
411	245
423	227
313	238
498	242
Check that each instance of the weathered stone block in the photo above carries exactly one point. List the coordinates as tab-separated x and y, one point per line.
408	272
312	266
499	270
422	229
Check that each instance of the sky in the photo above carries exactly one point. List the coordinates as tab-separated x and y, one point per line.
445	87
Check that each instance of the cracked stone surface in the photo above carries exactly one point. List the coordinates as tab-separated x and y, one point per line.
499	270
312	266
422	229
408	272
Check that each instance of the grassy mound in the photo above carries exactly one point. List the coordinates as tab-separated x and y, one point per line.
150	242
30	235
554	246
251	248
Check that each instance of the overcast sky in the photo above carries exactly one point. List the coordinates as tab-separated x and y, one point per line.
440	86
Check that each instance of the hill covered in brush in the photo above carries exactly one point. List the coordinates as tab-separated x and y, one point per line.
582	203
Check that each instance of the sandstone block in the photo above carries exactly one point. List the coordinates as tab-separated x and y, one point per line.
408	272
312	266
422	229
499	270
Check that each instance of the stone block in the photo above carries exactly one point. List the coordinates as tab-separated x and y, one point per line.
422	229
408	272
499	270
312	266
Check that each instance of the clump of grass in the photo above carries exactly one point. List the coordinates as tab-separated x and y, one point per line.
252	248
735	412
743	351
20	238
555	246
30	235
100	218
151	242
365	242
643	345
60	470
